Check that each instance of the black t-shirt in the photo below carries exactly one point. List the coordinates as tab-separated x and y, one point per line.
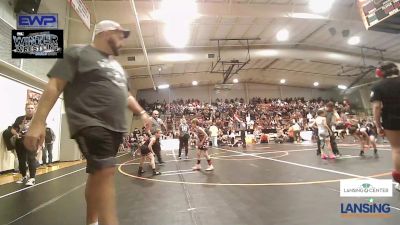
157	145
388	92
22	124
97	90
144	149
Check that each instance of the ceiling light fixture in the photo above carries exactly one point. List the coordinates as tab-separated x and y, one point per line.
177	16
177	35
235	81
177	11
306	16
173	57
319	6
283	81
316	84
341	86
268	52
336	56
195	83
355	40
282	35
163	86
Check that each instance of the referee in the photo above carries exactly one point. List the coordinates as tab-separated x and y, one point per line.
331	118
385	98
156	124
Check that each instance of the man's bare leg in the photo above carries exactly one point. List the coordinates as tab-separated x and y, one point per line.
90	195
100	193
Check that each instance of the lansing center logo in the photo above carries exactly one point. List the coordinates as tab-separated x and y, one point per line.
37	44
366	188
362	210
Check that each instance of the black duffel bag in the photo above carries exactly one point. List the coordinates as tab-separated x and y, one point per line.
9	139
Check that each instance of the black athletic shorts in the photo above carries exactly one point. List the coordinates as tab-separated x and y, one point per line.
391	122
99	146
144	150
371	132
204	147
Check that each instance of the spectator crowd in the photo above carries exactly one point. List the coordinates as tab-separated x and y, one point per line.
284	117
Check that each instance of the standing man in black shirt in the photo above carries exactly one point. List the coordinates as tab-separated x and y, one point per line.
183	138
96	94
385	98
242	128
331	118
19	129
49	139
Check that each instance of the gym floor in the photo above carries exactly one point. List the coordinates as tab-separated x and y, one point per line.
264	184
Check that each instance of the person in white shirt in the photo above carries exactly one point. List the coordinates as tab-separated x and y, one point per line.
250	125
296	129
232	137
214	134
309	117
323	135
257	133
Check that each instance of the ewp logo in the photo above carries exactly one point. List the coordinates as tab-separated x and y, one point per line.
37	21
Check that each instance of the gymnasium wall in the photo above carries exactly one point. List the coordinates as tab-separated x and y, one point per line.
360	99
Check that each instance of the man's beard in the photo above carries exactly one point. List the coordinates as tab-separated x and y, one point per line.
113	47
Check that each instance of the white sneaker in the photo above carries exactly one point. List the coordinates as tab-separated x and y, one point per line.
21	180
210	168
186	157
30	182
397	186
196	167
